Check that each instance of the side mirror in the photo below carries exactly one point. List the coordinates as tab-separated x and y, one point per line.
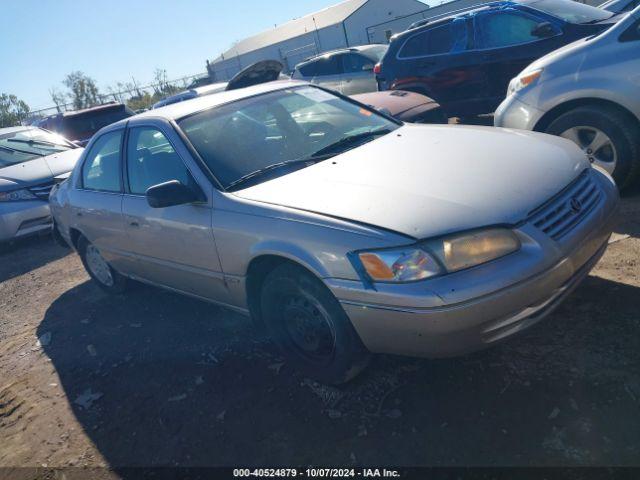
368	67
543	30
170	194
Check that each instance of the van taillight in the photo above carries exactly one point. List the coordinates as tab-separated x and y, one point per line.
377	69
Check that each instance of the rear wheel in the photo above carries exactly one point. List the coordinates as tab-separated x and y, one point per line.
98	268
308	324
607	138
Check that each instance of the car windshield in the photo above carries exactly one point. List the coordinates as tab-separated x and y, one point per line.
257	138
570	11
24	145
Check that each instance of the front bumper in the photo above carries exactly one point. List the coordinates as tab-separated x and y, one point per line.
473	309
20	219
514	113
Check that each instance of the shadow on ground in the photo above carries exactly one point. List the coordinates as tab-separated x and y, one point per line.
159	379
33	252
629	216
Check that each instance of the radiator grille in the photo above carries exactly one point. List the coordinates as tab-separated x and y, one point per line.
42	191
563	212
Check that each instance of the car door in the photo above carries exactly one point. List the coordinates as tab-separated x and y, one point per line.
328	72
358	76
438	62
174	246
96	199
508	41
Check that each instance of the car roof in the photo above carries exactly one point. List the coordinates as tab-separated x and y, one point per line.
97	108
359	48
461	13
177	111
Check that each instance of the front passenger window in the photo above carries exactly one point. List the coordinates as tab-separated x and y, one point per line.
151	160
101	169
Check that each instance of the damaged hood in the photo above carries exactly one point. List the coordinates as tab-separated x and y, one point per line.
428	180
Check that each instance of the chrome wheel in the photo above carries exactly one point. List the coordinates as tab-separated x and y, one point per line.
98	266
309	328
595	144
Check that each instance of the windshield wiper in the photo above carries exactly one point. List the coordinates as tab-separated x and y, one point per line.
37	142
351	141
11	149
315	158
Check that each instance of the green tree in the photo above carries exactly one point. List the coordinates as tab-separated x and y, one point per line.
83	90
141	102
13	111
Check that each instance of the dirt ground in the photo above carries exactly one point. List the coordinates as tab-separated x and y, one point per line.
152	378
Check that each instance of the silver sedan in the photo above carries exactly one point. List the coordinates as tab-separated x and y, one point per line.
340	230
31	161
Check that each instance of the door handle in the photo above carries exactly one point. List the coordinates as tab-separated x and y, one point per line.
78	214
134	224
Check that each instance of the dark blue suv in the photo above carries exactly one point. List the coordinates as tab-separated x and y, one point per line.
465	61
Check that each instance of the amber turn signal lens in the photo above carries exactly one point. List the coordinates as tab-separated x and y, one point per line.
375	267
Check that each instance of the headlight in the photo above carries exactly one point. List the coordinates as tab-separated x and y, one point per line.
523	80
437	257
16	196
471	249
399	265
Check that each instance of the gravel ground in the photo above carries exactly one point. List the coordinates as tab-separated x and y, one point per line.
151	378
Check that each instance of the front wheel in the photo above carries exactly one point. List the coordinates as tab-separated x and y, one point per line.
607	138
98	268
309	325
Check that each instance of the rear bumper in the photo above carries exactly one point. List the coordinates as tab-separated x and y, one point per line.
20	219
473	309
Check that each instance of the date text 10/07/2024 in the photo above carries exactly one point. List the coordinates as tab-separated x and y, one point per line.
315	473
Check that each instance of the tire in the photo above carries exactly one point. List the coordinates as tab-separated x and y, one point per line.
309	325
108	280
623	135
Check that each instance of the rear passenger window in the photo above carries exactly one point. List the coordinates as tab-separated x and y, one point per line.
151	160
451	37
101	169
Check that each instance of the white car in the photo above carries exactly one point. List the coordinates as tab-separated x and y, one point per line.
588	92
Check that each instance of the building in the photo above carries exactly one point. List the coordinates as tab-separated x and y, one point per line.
343	25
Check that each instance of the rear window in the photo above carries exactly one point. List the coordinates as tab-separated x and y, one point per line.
570	11
451	37
376	53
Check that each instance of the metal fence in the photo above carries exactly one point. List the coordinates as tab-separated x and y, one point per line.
123	95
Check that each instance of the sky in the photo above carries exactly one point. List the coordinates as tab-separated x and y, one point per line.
41	41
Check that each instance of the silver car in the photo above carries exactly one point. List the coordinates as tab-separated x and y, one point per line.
31	161
340	230
348	71
588	92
